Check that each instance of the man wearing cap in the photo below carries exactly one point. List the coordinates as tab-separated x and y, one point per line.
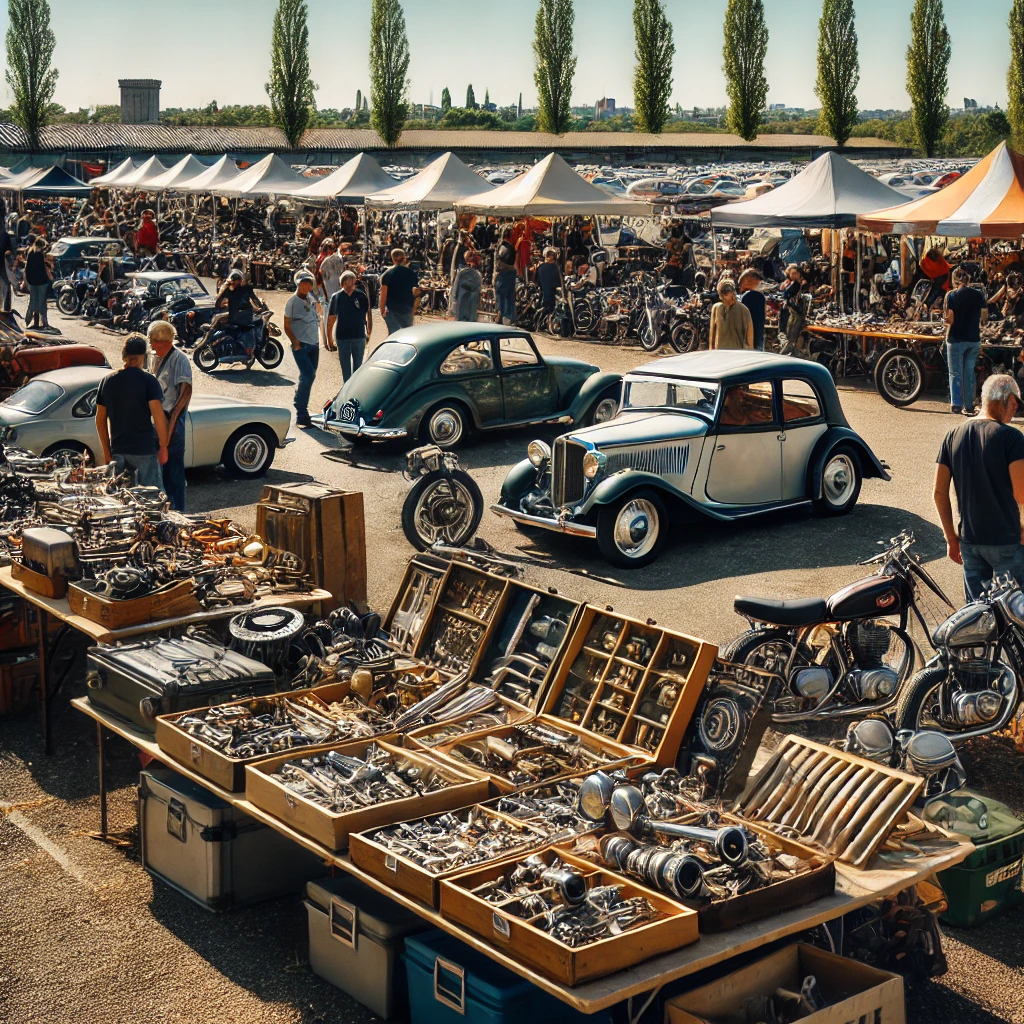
349	324
128	408
984	460
398	291
302	325
173	372
239	298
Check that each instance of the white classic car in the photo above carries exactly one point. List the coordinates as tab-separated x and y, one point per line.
56	411
724	434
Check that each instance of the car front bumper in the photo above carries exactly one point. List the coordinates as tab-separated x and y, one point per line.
556	525
359	429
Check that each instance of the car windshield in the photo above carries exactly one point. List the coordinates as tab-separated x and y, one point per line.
183	286
697	396
59	248
394	352
35	396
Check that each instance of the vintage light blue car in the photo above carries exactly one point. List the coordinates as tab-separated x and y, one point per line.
724	434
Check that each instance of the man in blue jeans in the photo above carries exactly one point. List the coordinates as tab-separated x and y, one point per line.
966	310
302	325
984	460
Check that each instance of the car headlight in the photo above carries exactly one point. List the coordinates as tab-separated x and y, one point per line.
538	452
593	463
9	434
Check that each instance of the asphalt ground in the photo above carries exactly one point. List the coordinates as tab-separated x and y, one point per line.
90	936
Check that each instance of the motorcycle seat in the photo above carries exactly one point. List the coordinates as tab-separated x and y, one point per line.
783	612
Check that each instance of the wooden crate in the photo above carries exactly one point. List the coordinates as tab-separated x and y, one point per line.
413	600
229	772
603	683
403	874
46	586
264	790
19	680
174	602
570	965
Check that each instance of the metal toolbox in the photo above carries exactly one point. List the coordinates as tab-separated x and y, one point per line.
140	680
50	552
212	852
356	935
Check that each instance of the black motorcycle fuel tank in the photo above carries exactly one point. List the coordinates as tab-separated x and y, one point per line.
866	599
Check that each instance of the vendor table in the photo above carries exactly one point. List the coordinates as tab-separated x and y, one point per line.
98	633
894	872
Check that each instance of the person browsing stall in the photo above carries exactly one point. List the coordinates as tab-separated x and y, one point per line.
751	297
466	288
239	298
302	326
549	277
398	292
130	418
984	460
349	324
965	312
731	324
147	237
173	372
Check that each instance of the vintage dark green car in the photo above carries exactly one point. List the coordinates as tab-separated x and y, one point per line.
439	382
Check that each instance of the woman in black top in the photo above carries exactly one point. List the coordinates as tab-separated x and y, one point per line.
37	277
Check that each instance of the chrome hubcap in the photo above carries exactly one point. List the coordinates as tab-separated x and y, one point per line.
445	426
444	512
839	479
251	452
605	410
637	528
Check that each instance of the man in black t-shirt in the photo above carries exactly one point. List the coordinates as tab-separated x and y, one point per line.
239	298
984	460
398	291
753	298
965	312
549	278
349	324
129	405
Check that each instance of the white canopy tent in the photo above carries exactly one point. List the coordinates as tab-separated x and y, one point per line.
186	168
439	186
212	178
550	189
269	176
126	166
137	179
350	183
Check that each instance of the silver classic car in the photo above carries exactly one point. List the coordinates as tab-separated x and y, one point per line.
56	411
724	434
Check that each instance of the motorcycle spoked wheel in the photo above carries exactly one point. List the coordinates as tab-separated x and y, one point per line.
270	353
584	320
685	337
206	358
67	302
650	340
438	510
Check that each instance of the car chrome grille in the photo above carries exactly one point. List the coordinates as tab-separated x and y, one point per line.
567	481
661	460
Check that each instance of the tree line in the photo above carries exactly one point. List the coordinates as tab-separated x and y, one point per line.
291	90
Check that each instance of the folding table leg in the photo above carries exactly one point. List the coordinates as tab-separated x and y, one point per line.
102	781
44	697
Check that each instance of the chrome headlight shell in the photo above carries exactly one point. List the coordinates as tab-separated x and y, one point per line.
594	463
538	452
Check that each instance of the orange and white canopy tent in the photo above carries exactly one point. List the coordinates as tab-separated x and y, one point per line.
986	202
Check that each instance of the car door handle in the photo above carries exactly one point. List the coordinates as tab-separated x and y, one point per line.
781	437
720	448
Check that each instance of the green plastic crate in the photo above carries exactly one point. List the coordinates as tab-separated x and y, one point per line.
990	880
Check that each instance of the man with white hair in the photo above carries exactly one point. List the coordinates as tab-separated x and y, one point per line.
173	372
984	460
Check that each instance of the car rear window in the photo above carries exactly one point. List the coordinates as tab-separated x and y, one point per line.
35	396
394	352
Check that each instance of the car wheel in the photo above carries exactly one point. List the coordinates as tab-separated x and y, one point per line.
632	531
249	451
899	377
206	359
840	482
604	408
445	425
67	448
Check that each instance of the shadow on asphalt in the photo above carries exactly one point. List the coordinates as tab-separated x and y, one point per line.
933	1002
211	489
999	938
254	377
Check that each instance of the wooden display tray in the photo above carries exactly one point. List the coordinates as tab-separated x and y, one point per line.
567	964
425	736
419	571
263	790
165	604
54	587
229	772
618	755
585	644
404	875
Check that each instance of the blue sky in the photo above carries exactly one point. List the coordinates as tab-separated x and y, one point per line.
217	49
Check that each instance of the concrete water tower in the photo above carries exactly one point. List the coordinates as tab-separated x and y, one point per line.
140	100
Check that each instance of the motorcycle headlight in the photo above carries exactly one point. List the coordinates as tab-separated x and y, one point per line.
538	452
593	463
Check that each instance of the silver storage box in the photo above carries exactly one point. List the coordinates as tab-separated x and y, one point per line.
212	852
356	936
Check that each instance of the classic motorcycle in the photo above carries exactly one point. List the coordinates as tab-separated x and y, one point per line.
444	505
970	687
70	292
225	343
839	656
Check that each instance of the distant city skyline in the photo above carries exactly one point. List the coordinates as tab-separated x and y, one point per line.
206	51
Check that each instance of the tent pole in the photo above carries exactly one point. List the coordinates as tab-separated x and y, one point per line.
714	256
857	281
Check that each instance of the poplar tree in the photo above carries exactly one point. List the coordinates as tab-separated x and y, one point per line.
389	69
290	88
652	79
446	99
554	64
359	99
746	43
30	43
927	72
470	98
838	70
1015	75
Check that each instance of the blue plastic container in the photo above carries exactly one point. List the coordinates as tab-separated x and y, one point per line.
449	983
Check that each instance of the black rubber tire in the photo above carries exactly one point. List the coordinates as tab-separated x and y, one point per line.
230	457
740	648
685	337
588	420
823	506
426	435
908	705
606	518
649	340
205	359
270	354
67	302
68	446
913	364
431	480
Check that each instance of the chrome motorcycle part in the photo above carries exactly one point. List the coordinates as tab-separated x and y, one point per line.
974	625
976	708
812	683
874	683
873	739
